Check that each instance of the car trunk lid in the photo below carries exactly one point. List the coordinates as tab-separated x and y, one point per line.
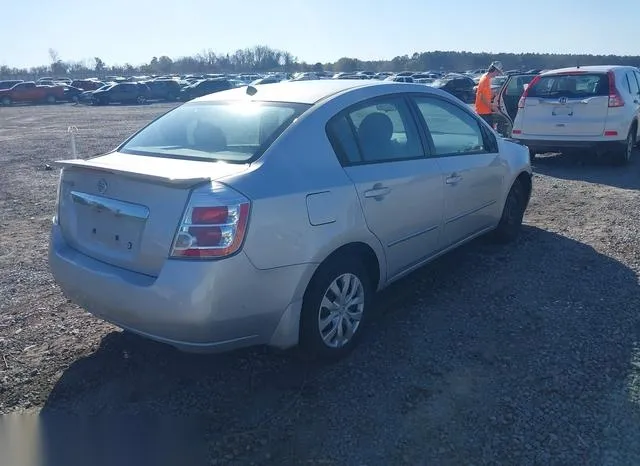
567	104
124	209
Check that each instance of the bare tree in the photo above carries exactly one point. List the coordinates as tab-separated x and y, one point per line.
54	56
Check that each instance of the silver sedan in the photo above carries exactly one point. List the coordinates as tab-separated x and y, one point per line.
271	214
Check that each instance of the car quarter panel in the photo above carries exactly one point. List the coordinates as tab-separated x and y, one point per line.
518	161
298	182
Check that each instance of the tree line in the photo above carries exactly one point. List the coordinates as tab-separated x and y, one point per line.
262	58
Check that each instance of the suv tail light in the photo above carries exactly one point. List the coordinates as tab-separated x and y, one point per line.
615	99
214	223
523	98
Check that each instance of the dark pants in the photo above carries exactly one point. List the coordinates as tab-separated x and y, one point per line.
488	118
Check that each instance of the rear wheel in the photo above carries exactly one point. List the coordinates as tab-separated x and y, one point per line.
141	100
335	307
6	100
51	99
510	224
623	155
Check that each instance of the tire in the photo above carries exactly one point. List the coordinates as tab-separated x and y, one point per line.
141	100
6	101
50	99
342	273
623	155
510	224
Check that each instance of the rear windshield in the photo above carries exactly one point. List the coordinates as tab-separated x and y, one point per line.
234	132
571	86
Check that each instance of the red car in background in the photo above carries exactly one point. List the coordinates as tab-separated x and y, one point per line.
31	92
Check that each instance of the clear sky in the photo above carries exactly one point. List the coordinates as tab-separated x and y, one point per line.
133	31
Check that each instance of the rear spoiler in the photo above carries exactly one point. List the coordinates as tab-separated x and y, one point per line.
168	179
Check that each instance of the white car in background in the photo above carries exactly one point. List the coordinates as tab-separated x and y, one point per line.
590	107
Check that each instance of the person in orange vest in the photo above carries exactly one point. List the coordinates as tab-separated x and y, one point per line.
483	94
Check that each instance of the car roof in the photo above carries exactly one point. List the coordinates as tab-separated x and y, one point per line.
304	92
593	69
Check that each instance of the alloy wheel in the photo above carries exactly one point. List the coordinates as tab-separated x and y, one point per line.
341	310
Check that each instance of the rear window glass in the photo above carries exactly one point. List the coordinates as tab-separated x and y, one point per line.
571	86
226	131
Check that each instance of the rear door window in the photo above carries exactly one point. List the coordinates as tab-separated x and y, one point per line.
571	86
343	140
386	131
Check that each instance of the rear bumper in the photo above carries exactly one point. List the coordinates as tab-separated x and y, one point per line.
204	306
545	145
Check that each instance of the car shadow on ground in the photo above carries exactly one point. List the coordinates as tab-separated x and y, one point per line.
590	168
488	343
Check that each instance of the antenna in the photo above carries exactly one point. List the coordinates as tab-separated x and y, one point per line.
251	90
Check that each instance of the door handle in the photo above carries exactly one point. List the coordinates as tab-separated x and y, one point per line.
377	192
453	179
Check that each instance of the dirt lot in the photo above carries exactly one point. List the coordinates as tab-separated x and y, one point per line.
526	354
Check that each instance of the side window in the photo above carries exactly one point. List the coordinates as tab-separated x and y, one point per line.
637	75
343	140
633	84
453	130
386	131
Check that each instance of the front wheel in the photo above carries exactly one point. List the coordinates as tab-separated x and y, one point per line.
510	224
141	100
335	308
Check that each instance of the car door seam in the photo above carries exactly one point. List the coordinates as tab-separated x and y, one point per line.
412	235
470	212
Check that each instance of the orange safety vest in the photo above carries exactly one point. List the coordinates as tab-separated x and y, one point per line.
484	88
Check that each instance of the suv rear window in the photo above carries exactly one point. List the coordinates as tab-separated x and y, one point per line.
576	85
227	131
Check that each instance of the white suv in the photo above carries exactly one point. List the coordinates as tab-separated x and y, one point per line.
587	107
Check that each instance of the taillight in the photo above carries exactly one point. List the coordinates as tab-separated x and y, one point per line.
214	224
615	99
523	98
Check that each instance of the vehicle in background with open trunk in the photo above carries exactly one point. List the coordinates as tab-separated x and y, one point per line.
505	103
272	214
594	108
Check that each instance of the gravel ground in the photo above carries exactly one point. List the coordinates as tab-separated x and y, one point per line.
525	354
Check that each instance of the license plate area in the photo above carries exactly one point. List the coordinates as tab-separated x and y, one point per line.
562	110
111	231
110	224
